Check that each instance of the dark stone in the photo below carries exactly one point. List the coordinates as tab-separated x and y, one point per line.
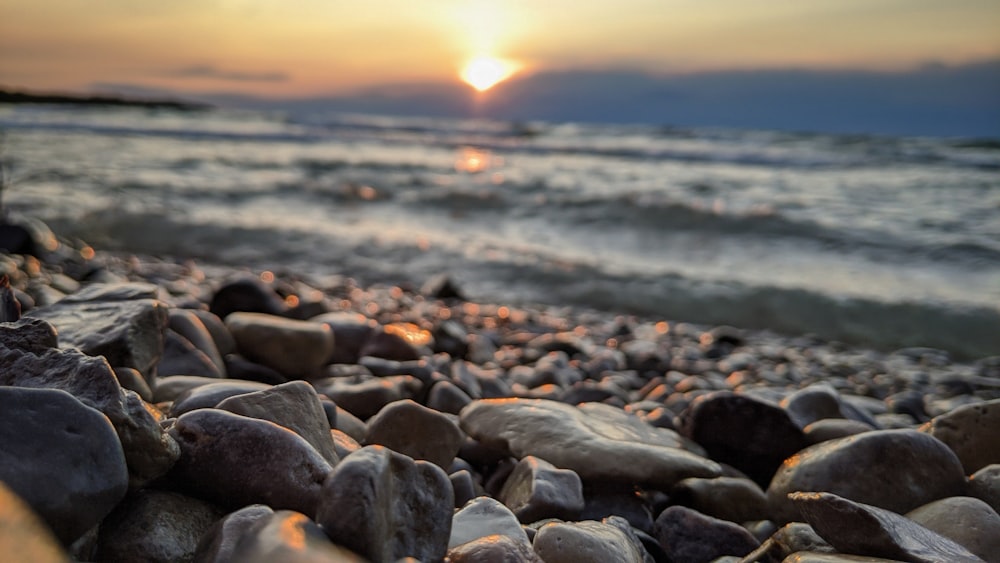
853	527
61	457
463	486
111	321
30	335
985	485
187	323
234	461
131	379
416	431
386	506
908	402
441	286
208	395
971	432
495	548
967	521
219	543
247	294
350	332
388	345
365	398
451	338
238	367
447	397
727	498
604	501
181	357
586	542
293	405
223	341
485	516
155	526
289	537
536	490
690	536
751	435
296	349
10	307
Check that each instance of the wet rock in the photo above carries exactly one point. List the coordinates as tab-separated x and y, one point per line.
289	537
293	405
595	449
482	517
386	506
833	428
968	521
208	395
181	357
23	535
350	333
894	469
61	457
688	535
727	498
536	489
246	294
155	526
985	485
971	431
235	460
853	527
365	398
493	549
749	434
118	321
294	348
587	542
416	431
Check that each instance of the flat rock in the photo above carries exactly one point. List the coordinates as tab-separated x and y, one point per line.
862	529
690	536
971	431
61	457
985	485
493	549
416	431
366	397
587	542
729	498
966	520
894	469
294	348
536	490
289	537
386	506
294	405
208	395
23	535
568	438
155	526
117	321
235	460
749	434
484	517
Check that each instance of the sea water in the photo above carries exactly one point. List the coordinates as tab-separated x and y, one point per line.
879	241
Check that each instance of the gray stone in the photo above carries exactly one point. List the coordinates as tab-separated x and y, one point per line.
148	450
365	398
208	395
30	335
294	405
484	516
447	397
289	537
603	501
493	549
181	357
416	431
966	520
155	526
219	543
833	428
857	528
116	321
690	536
294	348
594	448
189	324
463	486
985	485
386	506
235	460
61	457
749	434
791	538
343	444
131	379
728	498
971	431
586	542
536	489
809	557
221	337
894	469
23	535
812	403
350	332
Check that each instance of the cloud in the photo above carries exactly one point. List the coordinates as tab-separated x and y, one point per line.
211	72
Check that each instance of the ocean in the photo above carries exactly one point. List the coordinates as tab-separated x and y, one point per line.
881	242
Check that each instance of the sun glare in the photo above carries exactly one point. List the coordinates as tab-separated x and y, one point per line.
482	73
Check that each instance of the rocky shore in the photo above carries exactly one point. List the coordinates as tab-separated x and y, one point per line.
157	410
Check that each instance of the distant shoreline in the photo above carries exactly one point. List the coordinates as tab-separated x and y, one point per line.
21	97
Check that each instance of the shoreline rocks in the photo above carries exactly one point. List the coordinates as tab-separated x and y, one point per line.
283	417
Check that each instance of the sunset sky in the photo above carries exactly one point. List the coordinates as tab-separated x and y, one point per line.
316	47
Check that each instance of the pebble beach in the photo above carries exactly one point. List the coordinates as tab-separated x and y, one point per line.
157	409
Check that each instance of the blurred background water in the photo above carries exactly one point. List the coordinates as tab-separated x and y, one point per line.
880	241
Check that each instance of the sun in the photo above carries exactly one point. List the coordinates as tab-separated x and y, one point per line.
482	73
